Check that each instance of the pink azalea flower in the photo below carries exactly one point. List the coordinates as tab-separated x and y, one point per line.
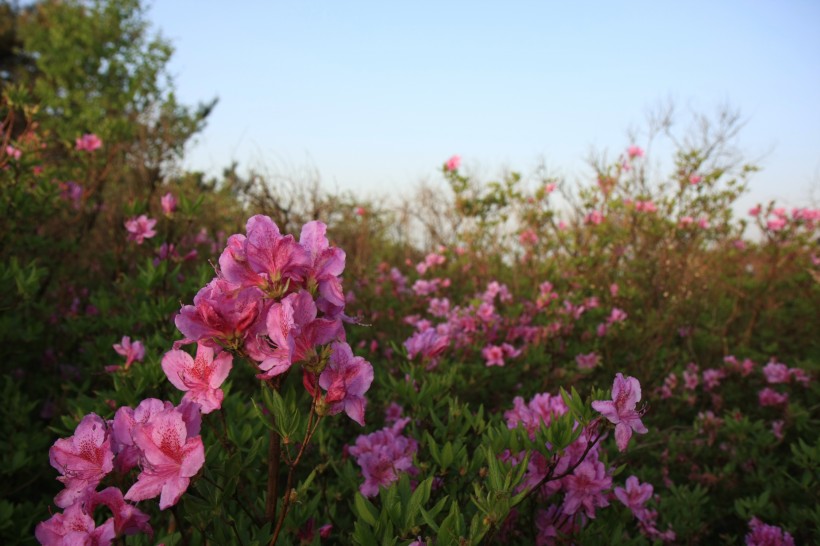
595	217
88	142
75	526
295	331
686	221
540	409
755	211
13	153
770	397
635	495
634	151
776	372
587	361
383	455
613	290
326	265
453	163
222	313
199	377
549	188
695	179
776	224
133	352
761	534
169	203
83	459
128	519
585	488
429	344
553	525
346	378
126	454
617	315
493	355
528	237
170	458
140	228
626	393
703	223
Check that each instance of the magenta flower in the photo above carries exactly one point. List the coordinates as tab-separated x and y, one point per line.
383	455
199	377
776	372
295	331
762	534
88	142
429	344
635	495
326	264
587	361
626	393
493	355
133	352
126	454
222	313
169	204
74	526
13	153
346	378
171	456
83	459
140	228
453	163
128	519
585	488
595	217
634	151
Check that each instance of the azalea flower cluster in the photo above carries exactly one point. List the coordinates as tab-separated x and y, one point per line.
161	439
383	455
578	471
277	301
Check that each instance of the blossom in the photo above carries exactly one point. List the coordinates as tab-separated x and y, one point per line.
635	495
594	217
429	344
494	355
88	142
585	487
453	163
133	352
222	313
74	526
550	187
140	228
695	179
762	534
13	152
383	455
83	459
171	456
199	377
776	372
326	265
169	203
626	393
587	361
295	330
346	378
540	409
634	151
770	397
128	519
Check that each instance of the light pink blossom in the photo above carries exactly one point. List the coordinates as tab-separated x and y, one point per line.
453	163
346	378
170	457
199	377
626	393
169	203
88	142
83	459
140	228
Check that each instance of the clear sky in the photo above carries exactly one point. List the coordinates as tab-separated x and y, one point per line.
377	95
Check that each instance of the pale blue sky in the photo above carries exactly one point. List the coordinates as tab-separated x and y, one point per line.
376	95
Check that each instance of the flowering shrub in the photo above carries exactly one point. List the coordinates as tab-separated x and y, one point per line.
364	380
